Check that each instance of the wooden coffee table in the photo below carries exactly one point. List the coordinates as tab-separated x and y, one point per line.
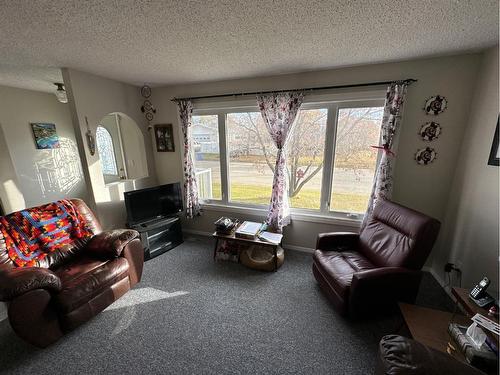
254	241
430	327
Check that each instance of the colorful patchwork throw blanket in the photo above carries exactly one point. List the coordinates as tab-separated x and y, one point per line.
31	234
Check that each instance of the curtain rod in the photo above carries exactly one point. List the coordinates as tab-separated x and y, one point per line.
407	81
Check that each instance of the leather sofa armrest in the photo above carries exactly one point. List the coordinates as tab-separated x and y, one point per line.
337	241
381	286
17	281
110	244
401	355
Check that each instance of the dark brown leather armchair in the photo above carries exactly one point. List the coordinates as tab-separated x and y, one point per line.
380	265
70	287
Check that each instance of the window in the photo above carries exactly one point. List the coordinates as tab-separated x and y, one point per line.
106	150
252	156
330	161
305	158
205	130
358	128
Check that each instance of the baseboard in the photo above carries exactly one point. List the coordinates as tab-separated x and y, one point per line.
197	232
302	249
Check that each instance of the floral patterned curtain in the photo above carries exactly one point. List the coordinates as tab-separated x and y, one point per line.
393	108
279	112
190	185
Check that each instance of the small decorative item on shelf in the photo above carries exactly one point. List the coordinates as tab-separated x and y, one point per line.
435	105
430	131
425	156
226	225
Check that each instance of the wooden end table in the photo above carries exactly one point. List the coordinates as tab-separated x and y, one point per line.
471	309
254	241
430	327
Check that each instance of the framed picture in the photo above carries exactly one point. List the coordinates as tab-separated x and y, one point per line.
164	136
495	151
45	135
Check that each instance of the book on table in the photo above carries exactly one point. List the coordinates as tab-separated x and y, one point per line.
248	230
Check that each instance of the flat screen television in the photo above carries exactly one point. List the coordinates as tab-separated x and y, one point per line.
153	203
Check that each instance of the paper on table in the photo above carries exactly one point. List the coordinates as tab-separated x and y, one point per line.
271	237
490	325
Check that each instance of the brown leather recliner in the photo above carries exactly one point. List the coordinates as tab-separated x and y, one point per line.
379	266
70	286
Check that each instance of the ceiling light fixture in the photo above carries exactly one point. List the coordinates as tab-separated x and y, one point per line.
61	93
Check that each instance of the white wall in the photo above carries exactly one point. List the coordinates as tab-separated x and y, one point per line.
133	148
92	97
423	188
471	230
32	177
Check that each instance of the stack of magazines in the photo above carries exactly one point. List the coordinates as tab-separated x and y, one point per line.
226	225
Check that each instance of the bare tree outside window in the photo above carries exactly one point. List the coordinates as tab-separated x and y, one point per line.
252	156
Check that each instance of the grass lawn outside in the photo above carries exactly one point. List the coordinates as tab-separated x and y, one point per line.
307	198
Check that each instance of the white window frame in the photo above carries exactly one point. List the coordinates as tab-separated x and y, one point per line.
333	102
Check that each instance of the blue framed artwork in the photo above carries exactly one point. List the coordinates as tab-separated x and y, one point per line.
45	135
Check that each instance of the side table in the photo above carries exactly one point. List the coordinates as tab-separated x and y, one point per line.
254	241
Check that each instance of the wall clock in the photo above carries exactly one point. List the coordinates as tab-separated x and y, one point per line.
146	91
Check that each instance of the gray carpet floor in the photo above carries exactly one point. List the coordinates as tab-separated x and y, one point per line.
190	315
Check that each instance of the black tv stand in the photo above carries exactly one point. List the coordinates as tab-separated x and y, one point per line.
159	235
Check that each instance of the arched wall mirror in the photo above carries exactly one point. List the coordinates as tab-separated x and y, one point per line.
120	144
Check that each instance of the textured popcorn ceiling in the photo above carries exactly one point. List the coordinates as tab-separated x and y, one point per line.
169	42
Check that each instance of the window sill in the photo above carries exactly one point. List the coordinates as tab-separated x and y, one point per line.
309	217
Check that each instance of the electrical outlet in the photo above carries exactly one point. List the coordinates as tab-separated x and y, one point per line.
448	267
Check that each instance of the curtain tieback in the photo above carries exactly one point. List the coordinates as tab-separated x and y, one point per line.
385	149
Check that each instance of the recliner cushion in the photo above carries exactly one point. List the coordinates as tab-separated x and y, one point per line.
85	278
338	268
397	236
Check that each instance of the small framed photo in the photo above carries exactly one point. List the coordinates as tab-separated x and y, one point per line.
164	136
494	158
45	135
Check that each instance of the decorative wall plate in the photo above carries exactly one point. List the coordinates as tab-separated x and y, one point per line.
147	105
430	131
435	105
146	91
425	156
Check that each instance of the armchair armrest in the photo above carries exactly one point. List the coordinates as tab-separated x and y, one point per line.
111	243
382	286
338	241
17	281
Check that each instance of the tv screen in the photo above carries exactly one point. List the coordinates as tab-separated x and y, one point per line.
152	203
